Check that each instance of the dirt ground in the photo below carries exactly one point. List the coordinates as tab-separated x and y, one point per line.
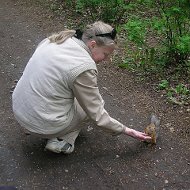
99	161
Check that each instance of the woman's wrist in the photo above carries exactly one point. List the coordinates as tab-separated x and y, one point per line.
127	131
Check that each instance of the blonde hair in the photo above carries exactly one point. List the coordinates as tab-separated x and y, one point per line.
60	37
89	33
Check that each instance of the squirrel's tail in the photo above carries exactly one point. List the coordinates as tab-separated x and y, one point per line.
156	122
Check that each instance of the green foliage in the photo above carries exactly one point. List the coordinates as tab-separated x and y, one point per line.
140	59
128	63
182	89
177	94
170	23
110	11
136	28
175	27
164	84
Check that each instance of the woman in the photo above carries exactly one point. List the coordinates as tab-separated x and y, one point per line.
58	89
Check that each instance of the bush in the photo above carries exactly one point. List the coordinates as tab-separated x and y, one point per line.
111	11
170	22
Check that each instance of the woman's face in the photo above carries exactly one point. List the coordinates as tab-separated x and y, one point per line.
100	53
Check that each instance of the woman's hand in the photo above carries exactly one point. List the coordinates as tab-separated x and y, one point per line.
137	134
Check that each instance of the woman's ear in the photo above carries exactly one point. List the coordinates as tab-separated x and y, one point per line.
92	44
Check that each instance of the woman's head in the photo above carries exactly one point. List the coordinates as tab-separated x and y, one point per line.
100	32
99	37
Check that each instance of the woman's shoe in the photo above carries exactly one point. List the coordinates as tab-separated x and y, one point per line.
59	146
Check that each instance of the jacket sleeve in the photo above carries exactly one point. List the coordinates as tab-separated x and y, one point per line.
87	93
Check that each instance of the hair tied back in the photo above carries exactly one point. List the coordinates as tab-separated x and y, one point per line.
78	34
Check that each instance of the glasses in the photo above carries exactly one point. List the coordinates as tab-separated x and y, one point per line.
111	35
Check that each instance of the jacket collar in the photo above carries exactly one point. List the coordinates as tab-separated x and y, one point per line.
82	44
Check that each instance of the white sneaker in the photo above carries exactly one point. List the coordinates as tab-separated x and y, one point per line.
59	146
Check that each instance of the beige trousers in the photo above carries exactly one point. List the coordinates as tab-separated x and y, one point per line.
70	133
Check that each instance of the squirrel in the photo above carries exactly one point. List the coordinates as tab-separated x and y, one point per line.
153	128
